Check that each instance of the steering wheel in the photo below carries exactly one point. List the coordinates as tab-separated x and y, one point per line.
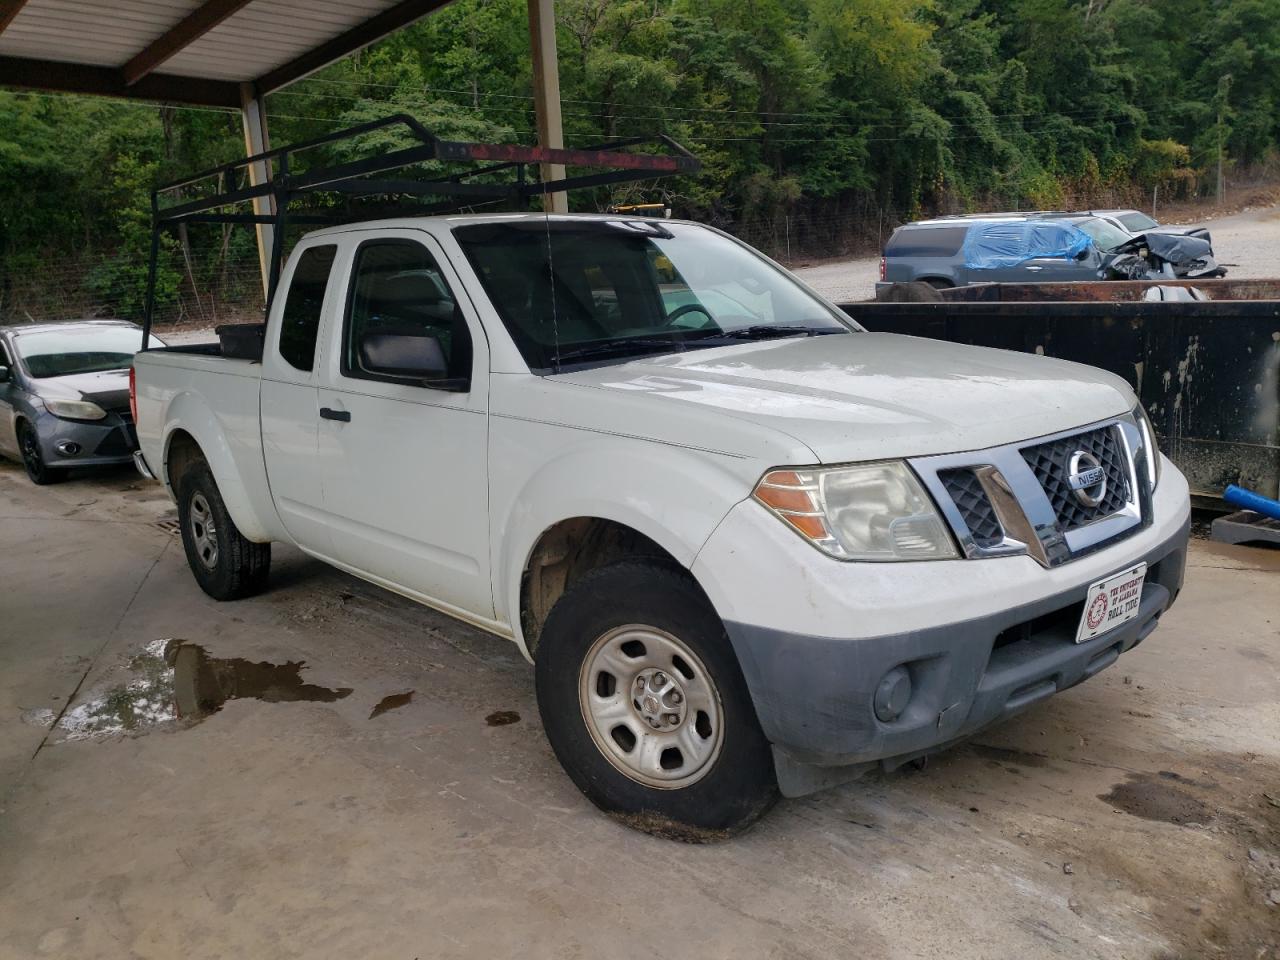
680	311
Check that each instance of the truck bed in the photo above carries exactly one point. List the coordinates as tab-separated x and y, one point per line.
195	384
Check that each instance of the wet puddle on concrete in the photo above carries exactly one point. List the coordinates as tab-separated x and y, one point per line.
391	702
178	680
1158	797
500	718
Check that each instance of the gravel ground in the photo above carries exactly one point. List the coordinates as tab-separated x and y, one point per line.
1248	243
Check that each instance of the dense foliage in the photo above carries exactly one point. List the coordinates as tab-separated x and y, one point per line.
818	120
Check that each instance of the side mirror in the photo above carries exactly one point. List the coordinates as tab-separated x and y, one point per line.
414	358
1083	254
5	375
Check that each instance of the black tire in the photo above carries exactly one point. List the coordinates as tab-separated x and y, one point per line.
39	472
939	284
235	567
737	787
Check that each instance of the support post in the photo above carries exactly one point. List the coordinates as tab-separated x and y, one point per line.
253	117
546	94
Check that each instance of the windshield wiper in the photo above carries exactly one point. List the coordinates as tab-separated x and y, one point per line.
771	331
620	347
625	347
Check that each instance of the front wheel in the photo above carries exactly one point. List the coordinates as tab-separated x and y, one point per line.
646	708
225	564
39	472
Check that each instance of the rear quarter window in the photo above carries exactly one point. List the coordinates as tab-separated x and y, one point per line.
926	241
1136	222
300	320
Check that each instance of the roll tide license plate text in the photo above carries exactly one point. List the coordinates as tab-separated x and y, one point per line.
1111	602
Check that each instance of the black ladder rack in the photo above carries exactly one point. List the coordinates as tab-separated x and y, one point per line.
233	184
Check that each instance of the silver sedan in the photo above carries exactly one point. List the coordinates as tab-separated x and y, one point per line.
64	395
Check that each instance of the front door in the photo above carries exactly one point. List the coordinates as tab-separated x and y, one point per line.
404	458
289	403
1056	270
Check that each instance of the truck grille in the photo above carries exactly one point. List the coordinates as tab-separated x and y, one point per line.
1017	499
1051	464
974	506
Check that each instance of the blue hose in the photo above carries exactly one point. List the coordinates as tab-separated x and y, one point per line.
1248	500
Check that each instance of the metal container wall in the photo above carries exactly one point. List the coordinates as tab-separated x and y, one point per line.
1208	372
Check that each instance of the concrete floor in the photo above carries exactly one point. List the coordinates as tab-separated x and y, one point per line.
1115	821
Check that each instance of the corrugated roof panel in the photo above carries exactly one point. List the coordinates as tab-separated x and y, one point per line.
90	31
253	42
269	33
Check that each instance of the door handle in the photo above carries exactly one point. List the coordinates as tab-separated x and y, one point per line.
1035	268
344	416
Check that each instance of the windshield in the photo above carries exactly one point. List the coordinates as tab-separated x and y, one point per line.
1136	222
60	353
572	291
1104	234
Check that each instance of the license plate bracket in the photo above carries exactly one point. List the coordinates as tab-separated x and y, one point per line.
1111	601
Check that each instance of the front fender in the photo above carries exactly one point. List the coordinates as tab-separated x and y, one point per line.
231	443
674	497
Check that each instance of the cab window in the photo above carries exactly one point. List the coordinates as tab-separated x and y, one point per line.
300	320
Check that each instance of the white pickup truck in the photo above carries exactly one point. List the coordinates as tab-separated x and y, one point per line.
748	546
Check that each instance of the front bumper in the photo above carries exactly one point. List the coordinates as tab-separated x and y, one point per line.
97	442
980	639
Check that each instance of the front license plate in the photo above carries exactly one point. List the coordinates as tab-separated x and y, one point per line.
1111	602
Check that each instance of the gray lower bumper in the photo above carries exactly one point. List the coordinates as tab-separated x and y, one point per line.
815	695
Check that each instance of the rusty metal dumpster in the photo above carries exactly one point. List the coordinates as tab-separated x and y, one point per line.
1208	372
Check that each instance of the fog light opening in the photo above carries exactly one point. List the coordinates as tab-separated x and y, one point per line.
68	448
893	694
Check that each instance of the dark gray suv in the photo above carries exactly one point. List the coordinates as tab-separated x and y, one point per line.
1003	248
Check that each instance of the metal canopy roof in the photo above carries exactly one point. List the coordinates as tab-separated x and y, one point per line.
186	51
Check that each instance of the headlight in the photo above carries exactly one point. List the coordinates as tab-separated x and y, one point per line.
1150	450
874	511
75	409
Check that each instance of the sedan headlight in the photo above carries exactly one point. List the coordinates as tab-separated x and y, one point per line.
873	511
1150	450
75	409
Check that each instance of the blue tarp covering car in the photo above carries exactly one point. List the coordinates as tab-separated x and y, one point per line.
1009	243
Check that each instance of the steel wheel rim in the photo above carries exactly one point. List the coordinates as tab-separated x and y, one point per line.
204	535
651	707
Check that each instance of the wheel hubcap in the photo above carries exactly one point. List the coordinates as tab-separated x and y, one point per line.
203	534
651	707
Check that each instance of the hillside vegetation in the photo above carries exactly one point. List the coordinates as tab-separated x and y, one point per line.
820	123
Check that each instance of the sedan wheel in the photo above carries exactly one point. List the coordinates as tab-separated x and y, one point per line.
39	472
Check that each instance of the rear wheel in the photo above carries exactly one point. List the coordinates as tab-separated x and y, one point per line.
646	708
225	564
38	471
939	284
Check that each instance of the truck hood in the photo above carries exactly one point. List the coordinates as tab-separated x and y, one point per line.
867	396
109	389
